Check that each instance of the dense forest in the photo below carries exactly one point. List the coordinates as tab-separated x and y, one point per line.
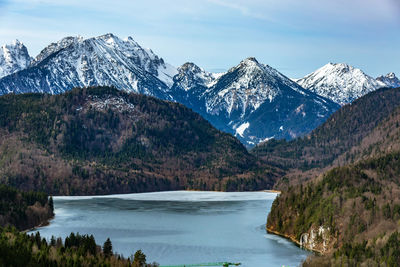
354	204
322	148
102	141
350	213
24	210
20	249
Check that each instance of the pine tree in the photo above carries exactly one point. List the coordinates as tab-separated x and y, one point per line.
107	248
139	259
51	205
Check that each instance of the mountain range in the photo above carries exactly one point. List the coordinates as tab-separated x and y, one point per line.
252	101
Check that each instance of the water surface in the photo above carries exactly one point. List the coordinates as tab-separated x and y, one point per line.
179	227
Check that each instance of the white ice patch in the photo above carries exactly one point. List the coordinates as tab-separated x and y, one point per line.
267	139
240	130
195	196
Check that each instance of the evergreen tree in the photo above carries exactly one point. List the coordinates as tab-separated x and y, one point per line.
51	205
107	248
139	259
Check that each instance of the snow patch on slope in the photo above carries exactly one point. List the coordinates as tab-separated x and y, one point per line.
240	130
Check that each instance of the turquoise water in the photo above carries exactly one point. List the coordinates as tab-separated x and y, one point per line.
179	227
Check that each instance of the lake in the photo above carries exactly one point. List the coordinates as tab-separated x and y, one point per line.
179	227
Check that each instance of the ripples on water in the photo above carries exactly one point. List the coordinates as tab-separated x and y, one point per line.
179	227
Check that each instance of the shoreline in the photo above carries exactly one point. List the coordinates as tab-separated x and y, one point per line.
45	223
292	239
166	191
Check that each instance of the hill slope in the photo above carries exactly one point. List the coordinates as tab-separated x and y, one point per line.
350	207
102	141
24	210
343	130
349	213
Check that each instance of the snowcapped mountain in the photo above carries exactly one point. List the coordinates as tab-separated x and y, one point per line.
340	82
252	101
389	80
104	60
13	57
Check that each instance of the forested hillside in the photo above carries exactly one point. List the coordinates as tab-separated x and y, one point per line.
24	210
349	213
102	141
20	249
324	146
344	129
344	208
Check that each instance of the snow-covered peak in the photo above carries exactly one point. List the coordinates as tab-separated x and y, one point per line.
245	87
13	57
340	82
191	76
55	47
389	80
112	54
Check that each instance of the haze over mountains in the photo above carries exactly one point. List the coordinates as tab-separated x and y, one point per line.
252	101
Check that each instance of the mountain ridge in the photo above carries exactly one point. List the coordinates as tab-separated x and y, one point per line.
340	82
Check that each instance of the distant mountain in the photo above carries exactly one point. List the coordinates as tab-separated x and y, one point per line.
102	140
13	57
104	60
340	82
389	80
252	101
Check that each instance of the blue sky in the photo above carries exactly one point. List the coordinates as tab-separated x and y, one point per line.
296	37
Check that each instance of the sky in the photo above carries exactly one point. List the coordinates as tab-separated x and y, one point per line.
296	37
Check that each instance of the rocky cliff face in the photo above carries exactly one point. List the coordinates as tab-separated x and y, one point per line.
390	80
13	57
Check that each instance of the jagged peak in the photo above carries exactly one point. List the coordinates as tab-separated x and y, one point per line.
14	43
338	66
390	75
250	60
57	46
107	36
339	82
190	66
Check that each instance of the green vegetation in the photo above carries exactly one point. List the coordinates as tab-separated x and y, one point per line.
379	252
20	249
357	203
101	140
24	210
343	130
